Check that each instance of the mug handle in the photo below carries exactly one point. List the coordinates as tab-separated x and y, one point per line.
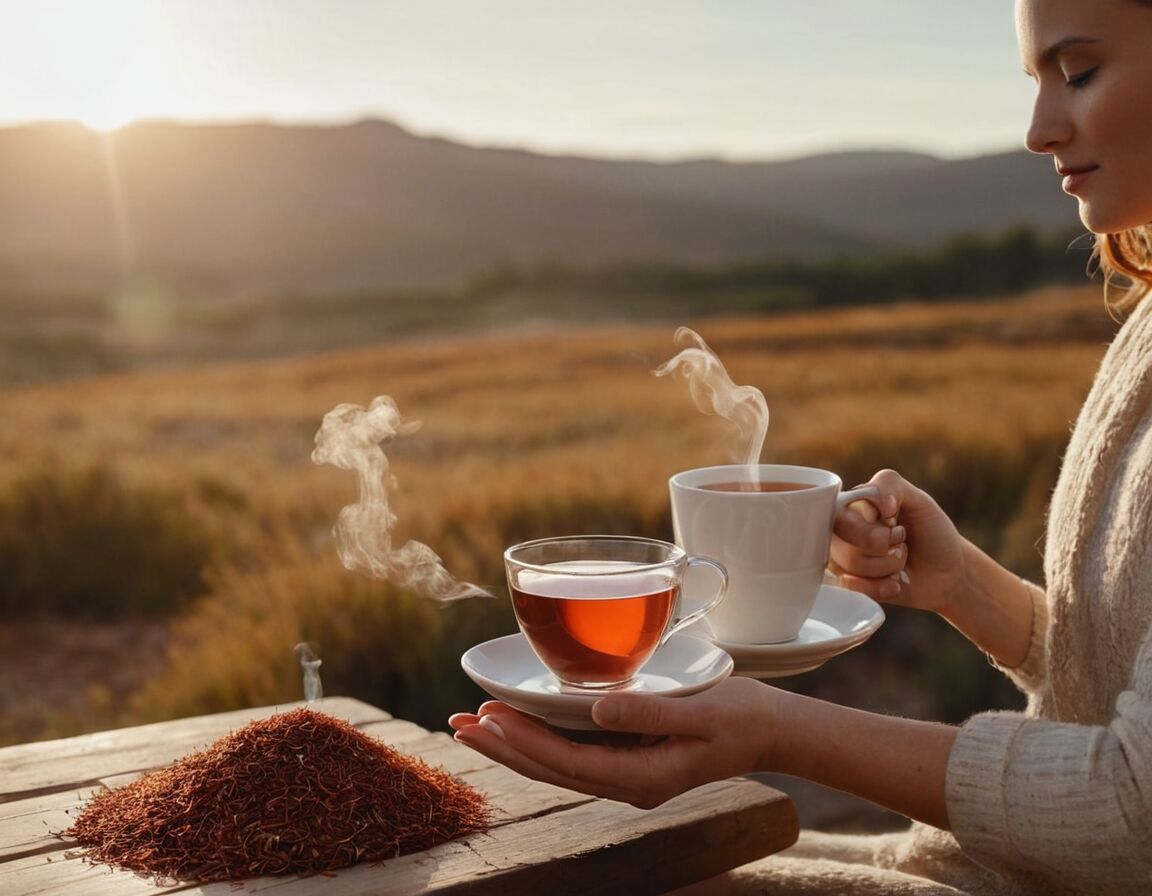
867	493
695	615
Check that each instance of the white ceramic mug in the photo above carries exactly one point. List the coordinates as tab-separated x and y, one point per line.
774	544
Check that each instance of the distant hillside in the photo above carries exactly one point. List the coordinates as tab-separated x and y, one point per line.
259	208
899	198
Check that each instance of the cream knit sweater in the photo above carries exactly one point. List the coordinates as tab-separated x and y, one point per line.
1057	799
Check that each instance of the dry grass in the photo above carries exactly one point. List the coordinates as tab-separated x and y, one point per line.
531	433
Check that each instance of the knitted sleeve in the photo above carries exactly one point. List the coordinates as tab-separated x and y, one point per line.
1031	674
1069	803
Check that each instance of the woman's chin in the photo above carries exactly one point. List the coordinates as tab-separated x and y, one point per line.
1101	219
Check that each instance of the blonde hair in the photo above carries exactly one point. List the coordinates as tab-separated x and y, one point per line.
1126	257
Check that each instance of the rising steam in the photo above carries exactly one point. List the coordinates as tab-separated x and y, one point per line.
310	666
714	393
353	438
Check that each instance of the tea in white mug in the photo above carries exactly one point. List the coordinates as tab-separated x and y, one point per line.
756	485
770	526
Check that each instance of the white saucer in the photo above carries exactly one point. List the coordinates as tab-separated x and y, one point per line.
508	670
840	620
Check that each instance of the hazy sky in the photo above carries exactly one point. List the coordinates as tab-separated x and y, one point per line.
654	78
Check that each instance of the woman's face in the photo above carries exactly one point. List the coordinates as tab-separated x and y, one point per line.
1092	63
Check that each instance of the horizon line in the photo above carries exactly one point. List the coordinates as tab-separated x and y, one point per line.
584	153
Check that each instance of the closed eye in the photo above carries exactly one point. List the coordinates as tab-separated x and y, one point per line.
1081	79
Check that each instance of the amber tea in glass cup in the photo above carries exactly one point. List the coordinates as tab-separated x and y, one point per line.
594	608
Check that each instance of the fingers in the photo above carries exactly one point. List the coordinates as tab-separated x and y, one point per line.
866	550
651	714
892	488
869	550
869	536
495	738
891	564
524	745
865	509
868	542
887	589
698	738
880	577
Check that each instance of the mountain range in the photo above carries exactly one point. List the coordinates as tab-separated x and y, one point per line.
264	209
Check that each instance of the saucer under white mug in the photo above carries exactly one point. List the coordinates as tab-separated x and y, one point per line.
840	620
508	669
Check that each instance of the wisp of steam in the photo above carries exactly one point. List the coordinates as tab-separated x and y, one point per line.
352	437
714	393
310	665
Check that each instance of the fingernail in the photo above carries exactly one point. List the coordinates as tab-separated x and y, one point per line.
904	577
606	712
890	506
896	552
889	588
490	724
897	535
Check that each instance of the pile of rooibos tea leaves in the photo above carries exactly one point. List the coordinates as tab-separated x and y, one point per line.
298	793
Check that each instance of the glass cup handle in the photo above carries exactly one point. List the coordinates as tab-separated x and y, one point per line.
678	624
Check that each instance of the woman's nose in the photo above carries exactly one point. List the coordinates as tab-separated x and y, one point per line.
1050	126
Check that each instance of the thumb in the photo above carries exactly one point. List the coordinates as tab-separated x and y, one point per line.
647	714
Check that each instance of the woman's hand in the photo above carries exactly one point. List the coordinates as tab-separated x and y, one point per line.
724	731
909	553
736	727
904	550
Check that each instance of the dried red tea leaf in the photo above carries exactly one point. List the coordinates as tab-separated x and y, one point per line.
298	793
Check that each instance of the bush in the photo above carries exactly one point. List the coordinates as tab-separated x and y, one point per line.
972	402
377	643
85	544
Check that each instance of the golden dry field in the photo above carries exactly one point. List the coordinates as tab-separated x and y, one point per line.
166	537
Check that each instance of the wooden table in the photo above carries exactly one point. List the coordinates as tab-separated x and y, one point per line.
544	839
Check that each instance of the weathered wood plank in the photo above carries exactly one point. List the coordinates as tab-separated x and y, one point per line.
30	825
597	847
606	848
55	875
544	839
511	795
440	751
514	797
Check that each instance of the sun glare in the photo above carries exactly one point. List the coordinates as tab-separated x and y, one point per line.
99	64
105	121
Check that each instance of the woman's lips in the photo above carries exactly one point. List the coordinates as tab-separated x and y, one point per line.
1075	176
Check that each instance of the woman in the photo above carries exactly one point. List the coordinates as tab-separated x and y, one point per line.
1053	800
